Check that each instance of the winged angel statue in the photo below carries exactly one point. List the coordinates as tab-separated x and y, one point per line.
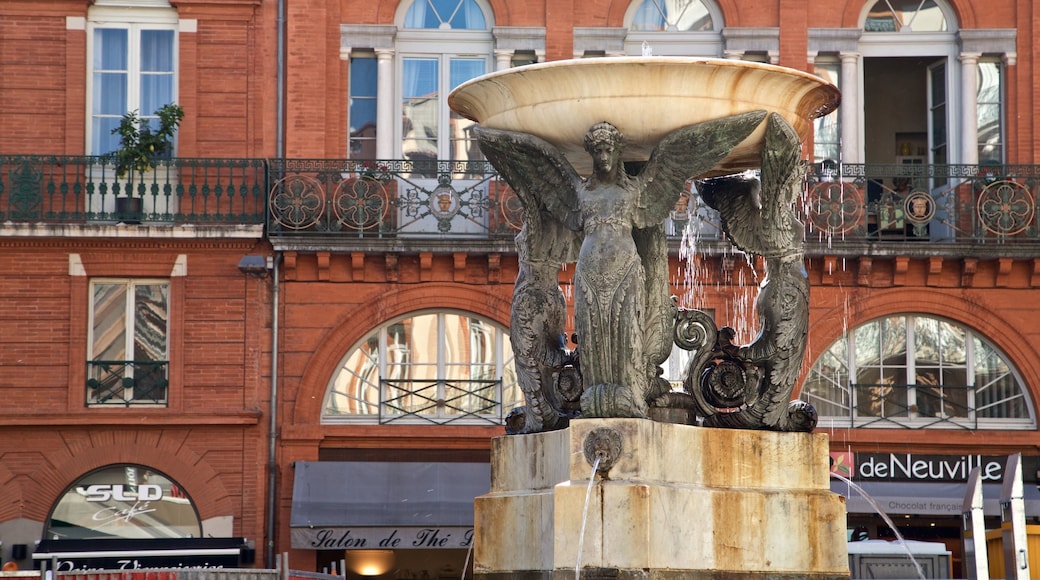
612	225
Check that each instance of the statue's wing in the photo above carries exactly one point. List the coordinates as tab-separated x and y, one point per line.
536	170
756	213
686	153
781	177
736	198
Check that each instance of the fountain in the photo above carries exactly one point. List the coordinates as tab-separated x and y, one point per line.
598	151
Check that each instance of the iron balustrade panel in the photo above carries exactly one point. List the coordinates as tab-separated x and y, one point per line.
913	406
919	202
56	189
440	401
126	383
390	199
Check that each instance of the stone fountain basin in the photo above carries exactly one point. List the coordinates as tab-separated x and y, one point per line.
646	98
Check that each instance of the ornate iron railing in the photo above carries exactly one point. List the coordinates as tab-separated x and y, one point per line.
440	401
66	189
913	203
341	200
124	382
376	199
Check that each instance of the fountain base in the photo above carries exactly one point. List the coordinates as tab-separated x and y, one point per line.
677	501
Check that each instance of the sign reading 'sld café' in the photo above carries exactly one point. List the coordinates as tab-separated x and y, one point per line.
348	538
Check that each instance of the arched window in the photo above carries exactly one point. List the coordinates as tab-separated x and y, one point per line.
441	44
905	15
915	371
674	28
445	14
430	367
672	15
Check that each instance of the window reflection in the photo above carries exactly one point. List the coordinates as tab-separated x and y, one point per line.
899	15
438	366
672	15
989	113
913	371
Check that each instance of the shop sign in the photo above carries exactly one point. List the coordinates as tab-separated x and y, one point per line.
116	554
124	501
916	467
346	538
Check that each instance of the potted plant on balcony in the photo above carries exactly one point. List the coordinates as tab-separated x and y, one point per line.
140	149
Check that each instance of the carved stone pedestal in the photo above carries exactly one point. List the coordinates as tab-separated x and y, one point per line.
675	502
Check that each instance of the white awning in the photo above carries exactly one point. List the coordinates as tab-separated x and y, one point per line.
913	498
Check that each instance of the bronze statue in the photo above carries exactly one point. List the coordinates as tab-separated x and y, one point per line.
623	316
757	217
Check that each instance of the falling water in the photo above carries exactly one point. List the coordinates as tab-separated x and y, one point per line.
465	565
881	512
585	516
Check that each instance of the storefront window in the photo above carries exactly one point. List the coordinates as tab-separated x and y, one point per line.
431	367
918	372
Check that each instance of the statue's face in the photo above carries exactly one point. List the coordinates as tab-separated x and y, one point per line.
604	156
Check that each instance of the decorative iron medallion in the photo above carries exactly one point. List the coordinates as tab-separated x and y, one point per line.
360	203
919	208
297	202
510	206
1006	208
835	207
602	443
444	200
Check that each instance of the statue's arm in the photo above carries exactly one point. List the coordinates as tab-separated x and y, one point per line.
687	153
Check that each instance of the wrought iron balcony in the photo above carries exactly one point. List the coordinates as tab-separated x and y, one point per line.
55	189
341	204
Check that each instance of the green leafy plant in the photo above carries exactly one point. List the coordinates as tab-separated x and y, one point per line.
140	145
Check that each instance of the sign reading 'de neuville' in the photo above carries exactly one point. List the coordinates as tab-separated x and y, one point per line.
937	468
345	538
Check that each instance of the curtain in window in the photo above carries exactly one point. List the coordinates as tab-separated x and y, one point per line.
156	70
133	69
111	71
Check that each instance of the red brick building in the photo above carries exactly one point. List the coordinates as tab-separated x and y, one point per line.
324	237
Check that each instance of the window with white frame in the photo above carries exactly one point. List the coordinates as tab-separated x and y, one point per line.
442	44
132	60
128	353
917	371
431	367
